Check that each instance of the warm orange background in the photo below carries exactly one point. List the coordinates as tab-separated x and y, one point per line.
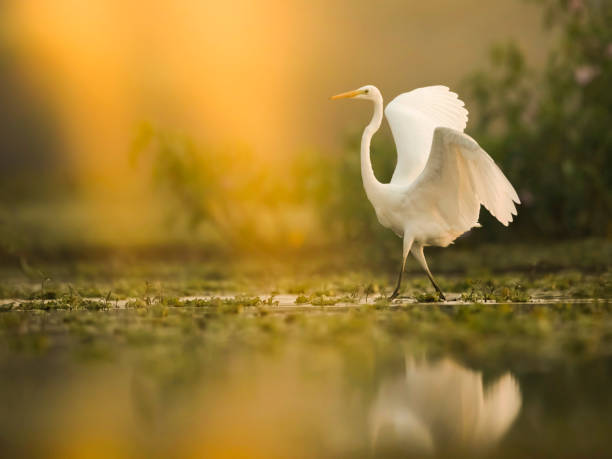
242	72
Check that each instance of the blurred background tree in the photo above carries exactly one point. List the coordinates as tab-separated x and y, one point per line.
552	133
248	205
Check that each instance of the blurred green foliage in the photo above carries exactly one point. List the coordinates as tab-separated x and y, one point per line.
177	167
551	132
234	191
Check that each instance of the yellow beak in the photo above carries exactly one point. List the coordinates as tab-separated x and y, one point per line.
345	95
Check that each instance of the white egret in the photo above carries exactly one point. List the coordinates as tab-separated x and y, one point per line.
441	178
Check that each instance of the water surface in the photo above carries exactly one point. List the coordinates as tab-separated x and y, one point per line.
255	381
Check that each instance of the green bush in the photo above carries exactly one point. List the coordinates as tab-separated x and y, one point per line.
551	132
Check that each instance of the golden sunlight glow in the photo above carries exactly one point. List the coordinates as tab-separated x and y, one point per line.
230	73
219	70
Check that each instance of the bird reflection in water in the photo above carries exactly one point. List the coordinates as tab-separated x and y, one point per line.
440	407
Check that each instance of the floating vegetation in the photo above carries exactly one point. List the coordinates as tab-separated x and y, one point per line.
428	297
302	299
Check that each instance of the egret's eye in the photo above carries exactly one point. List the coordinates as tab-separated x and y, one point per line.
367	91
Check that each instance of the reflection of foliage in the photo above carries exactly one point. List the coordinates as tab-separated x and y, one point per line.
552	134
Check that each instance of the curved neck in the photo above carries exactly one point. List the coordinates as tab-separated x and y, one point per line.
370	182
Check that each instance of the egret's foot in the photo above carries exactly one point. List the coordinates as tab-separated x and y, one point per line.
440	293
435	286
394	295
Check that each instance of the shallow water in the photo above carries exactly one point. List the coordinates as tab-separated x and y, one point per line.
409	381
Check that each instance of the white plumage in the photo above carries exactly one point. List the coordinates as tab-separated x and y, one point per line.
413	116
442	176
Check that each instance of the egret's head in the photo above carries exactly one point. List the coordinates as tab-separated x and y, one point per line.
367	92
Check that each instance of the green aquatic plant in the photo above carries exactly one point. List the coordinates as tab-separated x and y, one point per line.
270	301
382	302
516	294
302	299
321	300
369	290
428	297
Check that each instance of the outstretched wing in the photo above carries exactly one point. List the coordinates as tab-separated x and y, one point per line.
413	116
460	176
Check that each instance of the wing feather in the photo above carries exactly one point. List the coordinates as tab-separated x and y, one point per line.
413	116
460	176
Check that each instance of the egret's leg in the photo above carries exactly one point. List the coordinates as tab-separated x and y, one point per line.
417	252
399	281
407	245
